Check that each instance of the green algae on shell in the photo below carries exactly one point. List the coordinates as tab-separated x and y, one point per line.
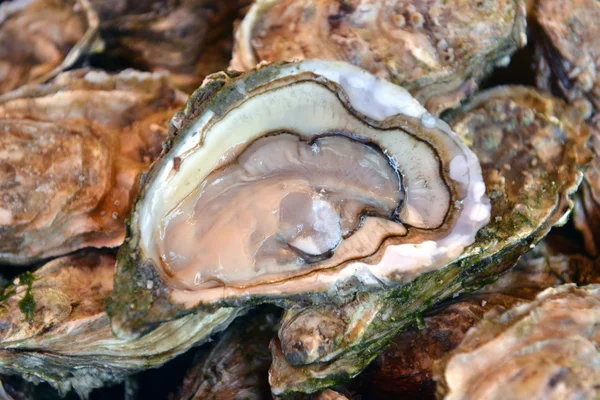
532	150
69	343
325	194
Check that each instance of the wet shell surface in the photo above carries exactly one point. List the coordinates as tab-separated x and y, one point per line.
439	51
73	150
301	181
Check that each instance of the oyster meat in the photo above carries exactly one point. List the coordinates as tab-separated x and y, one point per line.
68	341
189	38
41	38
532	151
72	151
546	349
285	184
439	51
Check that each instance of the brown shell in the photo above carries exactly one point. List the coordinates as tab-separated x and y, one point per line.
439	51
75	149
41	38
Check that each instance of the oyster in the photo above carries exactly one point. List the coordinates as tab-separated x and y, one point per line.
189	38
235	367
41	38
532	149
546	349
72	151
285	184
568	52
439	51
406	367
69	343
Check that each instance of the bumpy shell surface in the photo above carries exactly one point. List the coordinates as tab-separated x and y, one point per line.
532	150
439	50
546	349
406	367
69	343
237	366
73	151
568	52
190	38
41	38
442	209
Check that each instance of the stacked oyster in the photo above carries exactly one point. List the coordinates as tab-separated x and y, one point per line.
314	177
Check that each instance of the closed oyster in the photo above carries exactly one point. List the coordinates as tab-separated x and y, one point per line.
69	343
439	51
41	38
532	149
286	184
568	52
546	349
72	151
190	38
237	366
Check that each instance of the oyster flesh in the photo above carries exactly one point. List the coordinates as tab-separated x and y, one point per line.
41	38
546	349
286	183
69	343
532	150
439	51
72	152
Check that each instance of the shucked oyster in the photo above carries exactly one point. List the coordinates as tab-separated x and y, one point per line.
189	38
41	38
72	151
69	343
439	51
532	150
303	181
547	349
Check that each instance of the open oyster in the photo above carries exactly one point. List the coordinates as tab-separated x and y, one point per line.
189	38
41	38
439	51
532	149
69	343
302	181
72	153
546	349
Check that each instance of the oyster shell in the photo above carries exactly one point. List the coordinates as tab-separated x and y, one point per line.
406	367
546	349
72	153
568	52
189	38
293	187
237	366
69	343
41	38
439	51
532	149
